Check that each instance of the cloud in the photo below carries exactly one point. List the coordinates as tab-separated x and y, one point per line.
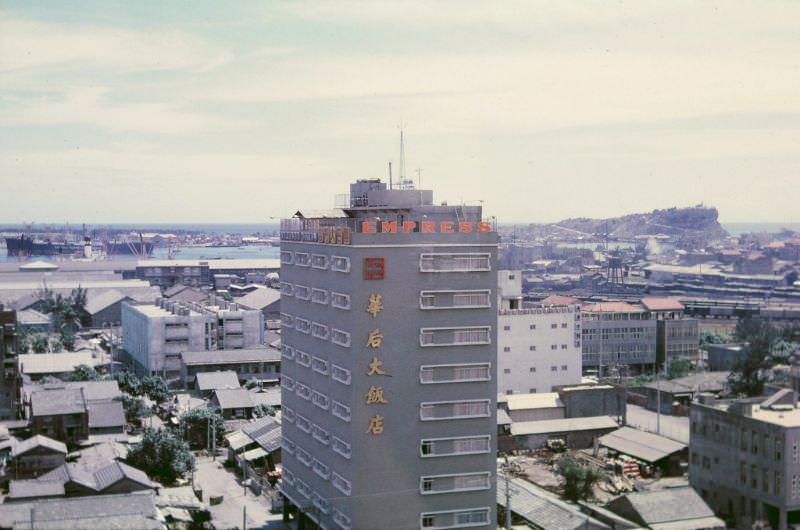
93	106
32	44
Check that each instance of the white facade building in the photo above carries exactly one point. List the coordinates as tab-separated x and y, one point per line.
538	347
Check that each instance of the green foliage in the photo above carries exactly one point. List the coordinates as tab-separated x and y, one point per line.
40	344
750	370
135	409
710	337
162	455
84	372
196	423
264	410
678	368
578	478
67	340
129	382
155	388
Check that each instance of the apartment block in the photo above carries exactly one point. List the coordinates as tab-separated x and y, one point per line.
538	345
389	351
745	458
155	335
9	350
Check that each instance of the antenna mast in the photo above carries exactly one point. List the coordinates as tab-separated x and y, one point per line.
404	183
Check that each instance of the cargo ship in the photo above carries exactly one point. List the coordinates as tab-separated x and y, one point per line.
26	246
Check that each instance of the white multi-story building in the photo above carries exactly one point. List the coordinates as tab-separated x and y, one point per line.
539	345
155	335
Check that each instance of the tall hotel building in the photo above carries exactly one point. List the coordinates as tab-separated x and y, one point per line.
389	352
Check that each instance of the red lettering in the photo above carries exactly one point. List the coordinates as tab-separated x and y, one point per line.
389	227
446	227
465	227
369	227
428	227
483	226
409	226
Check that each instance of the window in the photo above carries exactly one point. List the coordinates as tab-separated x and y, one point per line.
463	445
532	348
287	289
506	348
563	366
303	391
506	328
287	352
287	383
449	483
454	262
374	268
454	519
341	411
340	263
563	346
340	374
302	325
340	300
532	326
320	434
287	320
302	358
446	410
303	423
506	370
532	369
319	261
455	373
341	447
319	331
302	259
454	299
319	296
341	483
287	476
554	346
323	505
531	390
303	488
564	325
342	338
321	366
554	326
455	336
287	445
342	520
321	469
288	414
302	292
320	400
554	368
304	457
286	257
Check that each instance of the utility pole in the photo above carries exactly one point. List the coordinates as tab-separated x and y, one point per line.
244	517
214	440
508	503
658	402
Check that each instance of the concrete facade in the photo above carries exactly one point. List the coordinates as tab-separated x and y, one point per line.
9	351
616	335
155	335
538	347
745	458
393	407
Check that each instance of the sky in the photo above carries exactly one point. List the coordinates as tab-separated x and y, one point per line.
246	111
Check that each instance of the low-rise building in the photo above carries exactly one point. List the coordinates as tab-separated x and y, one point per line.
745	458
233	403
206	383
37	455
260	364
670	508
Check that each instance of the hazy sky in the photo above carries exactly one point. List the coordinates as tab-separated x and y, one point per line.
239	111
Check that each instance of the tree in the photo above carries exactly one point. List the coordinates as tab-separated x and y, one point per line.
750	370
678	368
579	479
162	455
710	337
196	423
129	382
40	344
135	409
84	372
264	410
155	388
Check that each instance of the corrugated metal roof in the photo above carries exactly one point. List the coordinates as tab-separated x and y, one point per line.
230	356
233	398
590	423
542	400
641	445
260	298
38	441
22	489
237	440
106	414
254	454
217	380
669	505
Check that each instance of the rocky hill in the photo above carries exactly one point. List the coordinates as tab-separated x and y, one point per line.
696	222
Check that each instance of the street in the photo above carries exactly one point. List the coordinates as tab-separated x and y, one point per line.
215	479
674	427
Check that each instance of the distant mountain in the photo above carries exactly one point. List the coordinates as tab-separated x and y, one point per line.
698	221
